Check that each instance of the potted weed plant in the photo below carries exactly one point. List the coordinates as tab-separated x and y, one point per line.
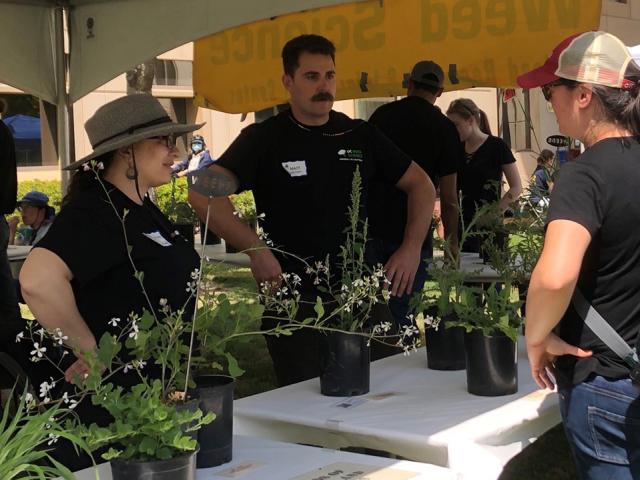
492	323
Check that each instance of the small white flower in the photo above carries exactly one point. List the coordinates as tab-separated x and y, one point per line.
134	330
38	350
86	167
53	438
19	337
28	398
114	321
128	367
139	364
45	388
100	166
59	337
163	302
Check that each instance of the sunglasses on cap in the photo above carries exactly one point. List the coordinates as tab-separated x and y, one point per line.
168	140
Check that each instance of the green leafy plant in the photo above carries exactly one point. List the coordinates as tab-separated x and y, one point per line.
172	201
245	205
491	310
351	293
26	436
145	426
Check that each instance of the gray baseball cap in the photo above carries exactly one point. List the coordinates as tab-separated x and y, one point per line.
429	73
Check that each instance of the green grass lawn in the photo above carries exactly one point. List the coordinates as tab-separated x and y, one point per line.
548	458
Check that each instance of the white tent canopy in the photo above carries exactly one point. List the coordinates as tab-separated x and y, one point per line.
104	38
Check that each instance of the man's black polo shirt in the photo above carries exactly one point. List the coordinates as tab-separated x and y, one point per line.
301	178
428	138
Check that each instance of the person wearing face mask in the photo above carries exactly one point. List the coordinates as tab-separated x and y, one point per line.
197	159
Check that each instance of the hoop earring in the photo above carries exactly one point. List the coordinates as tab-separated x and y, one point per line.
131	173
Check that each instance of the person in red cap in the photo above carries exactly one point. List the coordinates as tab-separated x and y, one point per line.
591	250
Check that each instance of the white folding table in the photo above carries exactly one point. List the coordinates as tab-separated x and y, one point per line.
262	459
412	412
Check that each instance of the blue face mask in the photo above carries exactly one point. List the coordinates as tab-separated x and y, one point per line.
196	147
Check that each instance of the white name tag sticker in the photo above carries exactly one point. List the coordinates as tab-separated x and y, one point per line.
296	169
158	238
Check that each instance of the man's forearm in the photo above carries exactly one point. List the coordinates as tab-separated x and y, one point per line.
449	215
419	213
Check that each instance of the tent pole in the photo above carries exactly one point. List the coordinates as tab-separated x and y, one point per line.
62	113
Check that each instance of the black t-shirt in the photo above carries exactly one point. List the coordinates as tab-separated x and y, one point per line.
481	173
599	191
88	237
301	178
8	172
427	137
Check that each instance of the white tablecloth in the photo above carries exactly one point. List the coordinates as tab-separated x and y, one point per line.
262	459
415	413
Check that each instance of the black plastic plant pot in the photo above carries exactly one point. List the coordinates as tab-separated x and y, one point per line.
344	365
215	394
492	364
182	467
445	346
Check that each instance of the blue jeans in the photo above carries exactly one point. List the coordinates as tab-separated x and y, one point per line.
601	418
399	306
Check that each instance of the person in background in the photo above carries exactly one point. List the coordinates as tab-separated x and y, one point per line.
487	158
37	214
542	182
591	246
420	129
9	309
197	159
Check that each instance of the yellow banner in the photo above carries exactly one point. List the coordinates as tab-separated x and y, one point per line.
477	43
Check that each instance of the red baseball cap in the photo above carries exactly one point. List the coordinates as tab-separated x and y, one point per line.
590	57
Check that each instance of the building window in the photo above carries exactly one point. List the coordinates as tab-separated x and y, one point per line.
173	73
21	113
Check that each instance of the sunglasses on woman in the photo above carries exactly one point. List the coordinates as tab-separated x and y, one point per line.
547	91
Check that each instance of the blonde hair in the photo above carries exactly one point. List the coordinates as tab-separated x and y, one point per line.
466	108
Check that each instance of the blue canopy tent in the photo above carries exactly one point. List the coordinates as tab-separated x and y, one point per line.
26	134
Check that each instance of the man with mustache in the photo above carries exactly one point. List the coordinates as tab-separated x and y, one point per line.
300	166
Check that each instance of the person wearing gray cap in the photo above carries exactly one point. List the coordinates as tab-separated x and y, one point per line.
80	276
420	129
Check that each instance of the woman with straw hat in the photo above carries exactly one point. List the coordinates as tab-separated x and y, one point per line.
80	277
591	254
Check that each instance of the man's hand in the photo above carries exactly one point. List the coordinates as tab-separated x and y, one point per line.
543	356
265	267
76	372
13	223
401	270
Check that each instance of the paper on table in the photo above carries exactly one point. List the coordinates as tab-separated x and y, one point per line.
354	471
239	470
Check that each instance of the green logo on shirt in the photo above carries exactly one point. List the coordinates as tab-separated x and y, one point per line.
350	155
